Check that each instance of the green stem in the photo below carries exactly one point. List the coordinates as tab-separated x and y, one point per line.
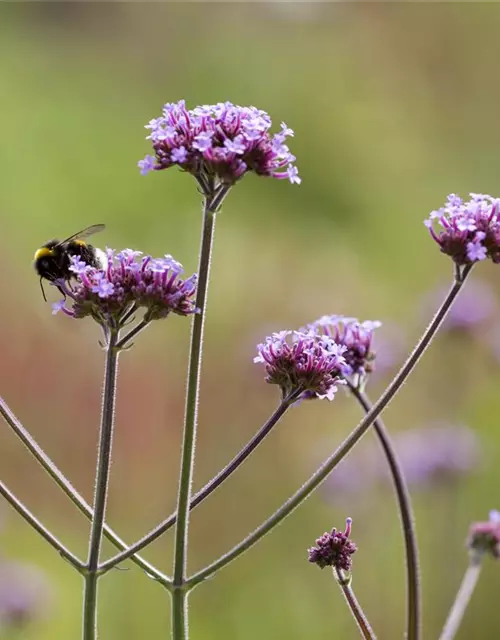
25	513
413	629
462	600
193	385
213	201
179	614
101	488
140	326
330	463
209	488
63	483
354	606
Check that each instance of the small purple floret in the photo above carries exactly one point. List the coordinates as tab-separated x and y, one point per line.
58	306
470	231
221	140
146	165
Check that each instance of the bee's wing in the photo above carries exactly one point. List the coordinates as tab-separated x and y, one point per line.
84	233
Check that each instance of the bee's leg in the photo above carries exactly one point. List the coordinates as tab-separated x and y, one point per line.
62	291
43	291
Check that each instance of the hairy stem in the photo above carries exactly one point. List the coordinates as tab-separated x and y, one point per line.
413	628
462	600
60	479
140	326
179	614
354	606
210	487
25	513
193	386
213	200
101	488
330	463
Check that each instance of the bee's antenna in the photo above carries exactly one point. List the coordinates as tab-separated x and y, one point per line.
41	287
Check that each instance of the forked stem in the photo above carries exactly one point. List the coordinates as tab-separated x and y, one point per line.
330	463
210	487
40	528
63	483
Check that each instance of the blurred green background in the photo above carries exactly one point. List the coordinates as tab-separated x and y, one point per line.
394	106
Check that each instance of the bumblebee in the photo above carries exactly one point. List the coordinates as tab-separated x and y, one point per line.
53	260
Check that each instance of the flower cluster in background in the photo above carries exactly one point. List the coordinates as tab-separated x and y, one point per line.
334	549
221	140
472	311
297	361
391	346
24	594
126	281
428	456
470	230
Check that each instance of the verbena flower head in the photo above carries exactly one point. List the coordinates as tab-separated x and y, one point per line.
302	361
334	549
484	537
220	140
127	280
467	231
354	335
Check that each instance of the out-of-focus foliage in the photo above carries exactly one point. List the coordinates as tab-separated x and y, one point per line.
394	106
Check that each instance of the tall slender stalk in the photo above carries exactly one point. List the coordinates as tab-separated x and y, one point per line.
101	487
462	600
209	488
413	627
191	415
63	483
353	604
330	463
213	200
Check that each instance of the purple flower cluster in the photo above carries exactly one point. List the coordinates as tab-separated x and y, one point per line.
355	336
221	140
124	282
470	231
484	537
302	361
334	549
